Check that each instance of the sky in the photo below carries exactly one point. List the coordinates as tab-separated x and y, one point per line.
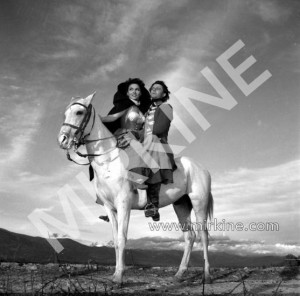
54	50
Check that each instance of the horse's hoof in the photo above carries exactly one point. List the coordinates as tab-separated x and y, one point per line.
178	279
117	285
207	280
117	280
179	276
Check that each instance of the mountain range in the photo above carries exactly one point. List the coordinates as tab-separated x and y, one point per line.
15	247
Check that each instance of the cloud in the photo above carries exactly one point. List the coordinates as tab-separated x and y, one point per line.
103	34
68	54
260	196
29	182
42	210
273	188
9	78
105	70
271	11
189	46
18	125
14	87
156	243
138	37
39	195
217	244
250	247
130	17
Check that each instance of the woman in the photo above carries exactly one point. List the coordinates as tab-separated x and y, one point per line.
126	121
131	93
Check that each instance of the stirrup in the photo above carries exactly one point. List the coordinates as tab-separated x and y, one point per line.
149	210
140	186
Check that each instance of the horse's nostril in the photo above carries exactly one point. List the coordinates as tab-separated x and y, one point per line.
62	139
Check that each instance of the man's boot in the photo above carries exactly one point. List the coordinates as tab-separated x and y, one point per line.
151	209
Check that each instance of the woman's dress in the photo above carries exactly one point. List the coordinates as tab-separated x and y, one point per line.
135	155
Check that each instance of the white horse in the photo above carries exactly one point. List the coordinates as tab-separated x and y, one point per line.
191	188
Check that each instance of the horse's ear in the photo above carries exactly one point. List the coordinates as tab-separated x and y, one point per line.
90	98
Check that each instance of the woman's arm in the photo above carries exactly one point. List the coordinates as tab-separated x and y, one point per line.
112	117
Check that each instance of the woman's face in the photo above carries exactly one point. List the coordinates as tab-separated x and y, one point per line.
134	93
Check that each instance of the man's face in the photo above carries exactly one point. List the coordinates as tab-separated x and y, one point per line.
157	92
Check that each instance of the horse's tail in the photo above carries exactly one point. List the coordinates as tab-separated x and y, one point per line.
210	206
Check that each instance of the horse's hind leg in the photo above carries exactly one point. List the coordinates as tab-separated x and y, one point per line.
183	209
200	207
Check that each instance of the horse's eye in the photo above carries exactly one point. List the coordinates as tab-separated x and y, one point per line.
79	112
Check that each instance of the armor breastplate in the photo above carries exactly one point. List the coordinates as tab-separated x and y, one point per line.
133	119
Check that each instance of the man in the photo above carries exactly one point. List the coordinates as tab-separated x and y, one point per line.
156	129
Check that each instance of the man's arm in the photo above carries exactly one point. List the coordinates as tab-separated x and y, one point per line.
163	120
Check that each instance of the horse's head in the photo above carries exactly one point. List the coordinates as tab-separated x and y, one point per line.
77	116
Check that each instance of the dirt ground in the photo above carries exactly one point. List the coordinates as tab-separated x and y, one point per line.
79	279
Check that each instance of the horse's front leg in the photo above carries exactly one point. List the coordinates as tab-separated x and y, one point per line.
112	215
123	215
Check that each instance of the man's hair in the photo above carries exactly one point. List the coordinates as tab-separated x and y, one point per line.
165	89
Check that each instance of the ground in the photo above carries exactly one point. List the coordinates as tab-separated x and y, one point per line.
96	280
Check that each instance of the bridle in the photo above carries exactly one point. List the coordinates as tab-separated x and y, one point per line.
78	141
79	137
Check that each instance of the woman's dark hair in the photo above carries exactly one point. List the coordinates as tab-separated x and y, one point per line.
122	102
137	81
165	89
121	99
